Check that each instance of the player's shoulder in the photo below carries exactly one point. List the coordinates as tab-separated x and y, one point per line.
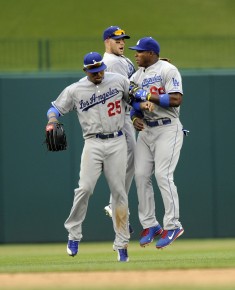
110	57
166	64
84	79
77	84
114	75
138	72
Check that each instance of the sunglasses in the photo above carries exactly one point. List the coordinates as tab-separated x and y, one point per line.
94	65
118	32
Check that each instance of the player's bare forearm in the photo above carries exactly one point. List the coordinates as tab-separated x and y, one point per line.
175	99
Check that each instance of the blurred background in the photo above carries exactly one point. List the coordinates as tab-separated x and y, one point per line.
42	44
54	35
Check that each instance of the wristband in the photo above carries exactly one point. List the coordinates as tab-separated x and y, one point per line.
134	120
54	110
164	100
148	96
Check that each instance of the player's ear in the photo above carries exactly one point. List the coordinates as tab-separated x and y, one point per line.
154	53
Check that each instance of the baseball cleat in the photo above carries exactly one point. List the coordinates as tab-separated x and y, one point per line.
72	248
123	255
168	237
149	234
108	210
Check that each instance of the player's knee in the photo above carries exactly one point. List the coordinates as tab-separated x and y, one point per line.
162	179
141	175
83	191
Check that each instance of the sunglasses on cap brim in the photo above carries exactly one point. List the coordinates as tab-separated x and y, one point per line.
92	66
118	32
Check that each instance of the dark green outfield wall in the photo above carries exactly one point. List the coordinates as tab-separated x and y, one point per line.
36	187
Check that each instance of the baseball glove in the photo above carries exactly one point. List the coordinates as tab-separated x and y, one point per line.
132	91
55	137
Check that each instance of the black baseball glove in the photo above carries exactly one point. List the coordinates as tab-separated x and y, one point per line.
55	137
132	90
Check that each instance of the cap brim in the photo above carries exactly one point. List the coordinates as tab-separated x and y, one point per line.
97	69
136	48
121	36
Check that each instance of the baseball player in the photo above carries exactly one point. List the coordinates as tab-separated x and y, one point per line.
99	100
114	41
159	141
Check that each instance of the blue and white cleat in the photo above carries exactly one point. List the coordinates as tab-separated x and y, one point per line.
72	248
123	255
168	237
149	234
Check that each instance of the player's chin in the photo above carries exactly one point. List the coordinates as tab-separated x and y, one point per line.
97	81
138	62
121	50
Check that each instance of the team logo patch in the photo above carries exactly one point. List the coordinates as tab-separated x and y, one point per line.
175	82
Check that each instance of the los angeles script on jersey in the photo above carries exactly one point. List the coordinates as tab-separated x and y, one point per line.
151	80
94	100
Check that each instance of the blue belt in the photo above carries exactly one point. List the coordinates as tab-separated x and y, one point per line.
106	136
159	122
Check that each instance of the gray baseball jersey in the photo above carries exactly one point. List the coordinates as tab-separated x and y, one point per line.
161	77
119	64
99	107
158	147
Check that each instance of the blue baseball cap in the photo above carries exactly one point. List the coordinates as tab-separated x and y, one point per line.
147	44
114	32
93	62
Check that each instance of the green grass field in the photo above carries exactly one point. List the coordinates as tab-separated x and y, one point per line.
183	255
55	35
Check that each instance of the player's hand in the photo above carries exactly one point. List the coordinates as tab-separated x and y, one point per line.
149	106
138	124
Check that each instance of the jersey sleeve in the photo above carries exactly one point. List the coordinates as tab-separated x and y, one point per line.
64	103
173	82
